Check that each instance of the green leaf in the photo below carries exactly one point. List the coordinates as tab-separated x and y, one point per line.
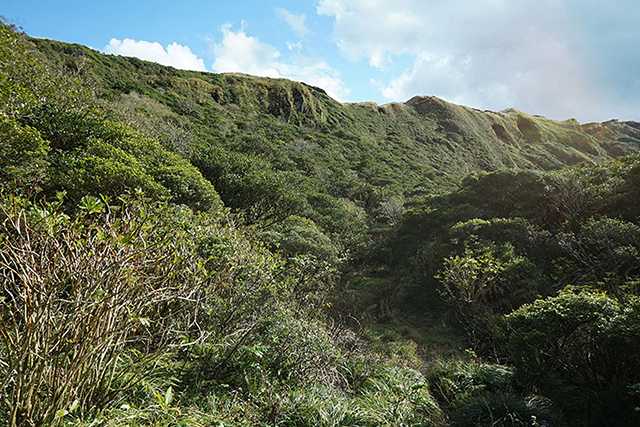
91	204
97	295
61	413
168	396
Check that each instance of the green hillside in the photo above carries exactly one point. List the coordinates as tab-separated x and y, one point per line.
276	148
194	249
424	144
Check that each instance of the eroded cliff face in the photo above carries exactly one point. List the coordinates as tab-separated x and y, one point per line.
543	142
452	140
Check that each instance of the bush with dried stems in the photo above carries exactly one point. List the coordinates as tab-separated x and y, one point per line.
87	302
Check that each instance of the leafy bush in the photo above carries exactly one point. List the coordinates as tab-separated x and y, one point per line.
249	185
563	333
575	349
606	251
298	236
22	153
263	320
103	169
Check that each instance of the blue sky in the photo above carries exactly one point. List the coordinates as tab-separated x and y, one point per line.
558	58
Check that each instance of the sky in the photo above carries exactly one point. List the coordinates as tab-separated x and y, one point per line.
557	58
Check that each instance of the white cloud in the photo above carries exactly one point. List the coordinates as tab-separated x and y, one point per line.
539	56
175	55
295	21
244	54
376	30
239	52
294	46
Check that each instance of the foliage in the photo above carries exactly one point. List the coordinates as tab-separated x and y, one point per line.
470	279
248	185
163	308
389	397
558	332
606	252
481	394
57	133
545	246
522	243
572	347
22	153
85	301
298	236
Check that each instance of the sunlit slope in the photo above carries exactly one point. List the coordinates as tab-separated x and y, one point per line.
409	148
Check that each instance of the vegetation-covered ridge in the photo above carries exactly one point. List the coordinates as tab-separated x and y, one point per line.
425	143
324	177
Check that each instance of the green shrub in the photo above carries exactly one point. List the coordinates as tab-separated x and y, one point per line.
561	333
22	154
605	251
579	349
299	236
249	185
109	171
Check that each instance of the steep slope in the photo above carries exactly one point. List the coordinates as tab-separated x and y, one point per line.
423	144
99	156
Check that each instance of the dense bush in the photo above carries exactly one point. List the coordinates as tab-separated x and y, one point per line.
248	185
574	348
58	134
298	236
86	301
22	154
164	309
524	245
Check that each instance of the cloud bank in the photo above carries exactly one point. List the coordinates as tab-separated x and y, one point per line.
545	57
174	55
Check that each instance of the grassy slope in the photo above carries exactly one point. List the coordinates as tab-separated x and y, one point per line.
423	145
376	156
400	150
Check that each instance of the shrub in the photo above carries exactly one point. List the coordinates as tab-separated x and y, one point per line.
85	301
298	236
249	185
579	349
22	153
563	334
605	250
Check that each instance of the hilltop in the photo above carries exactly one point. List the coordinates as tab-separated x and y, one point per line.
423	144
